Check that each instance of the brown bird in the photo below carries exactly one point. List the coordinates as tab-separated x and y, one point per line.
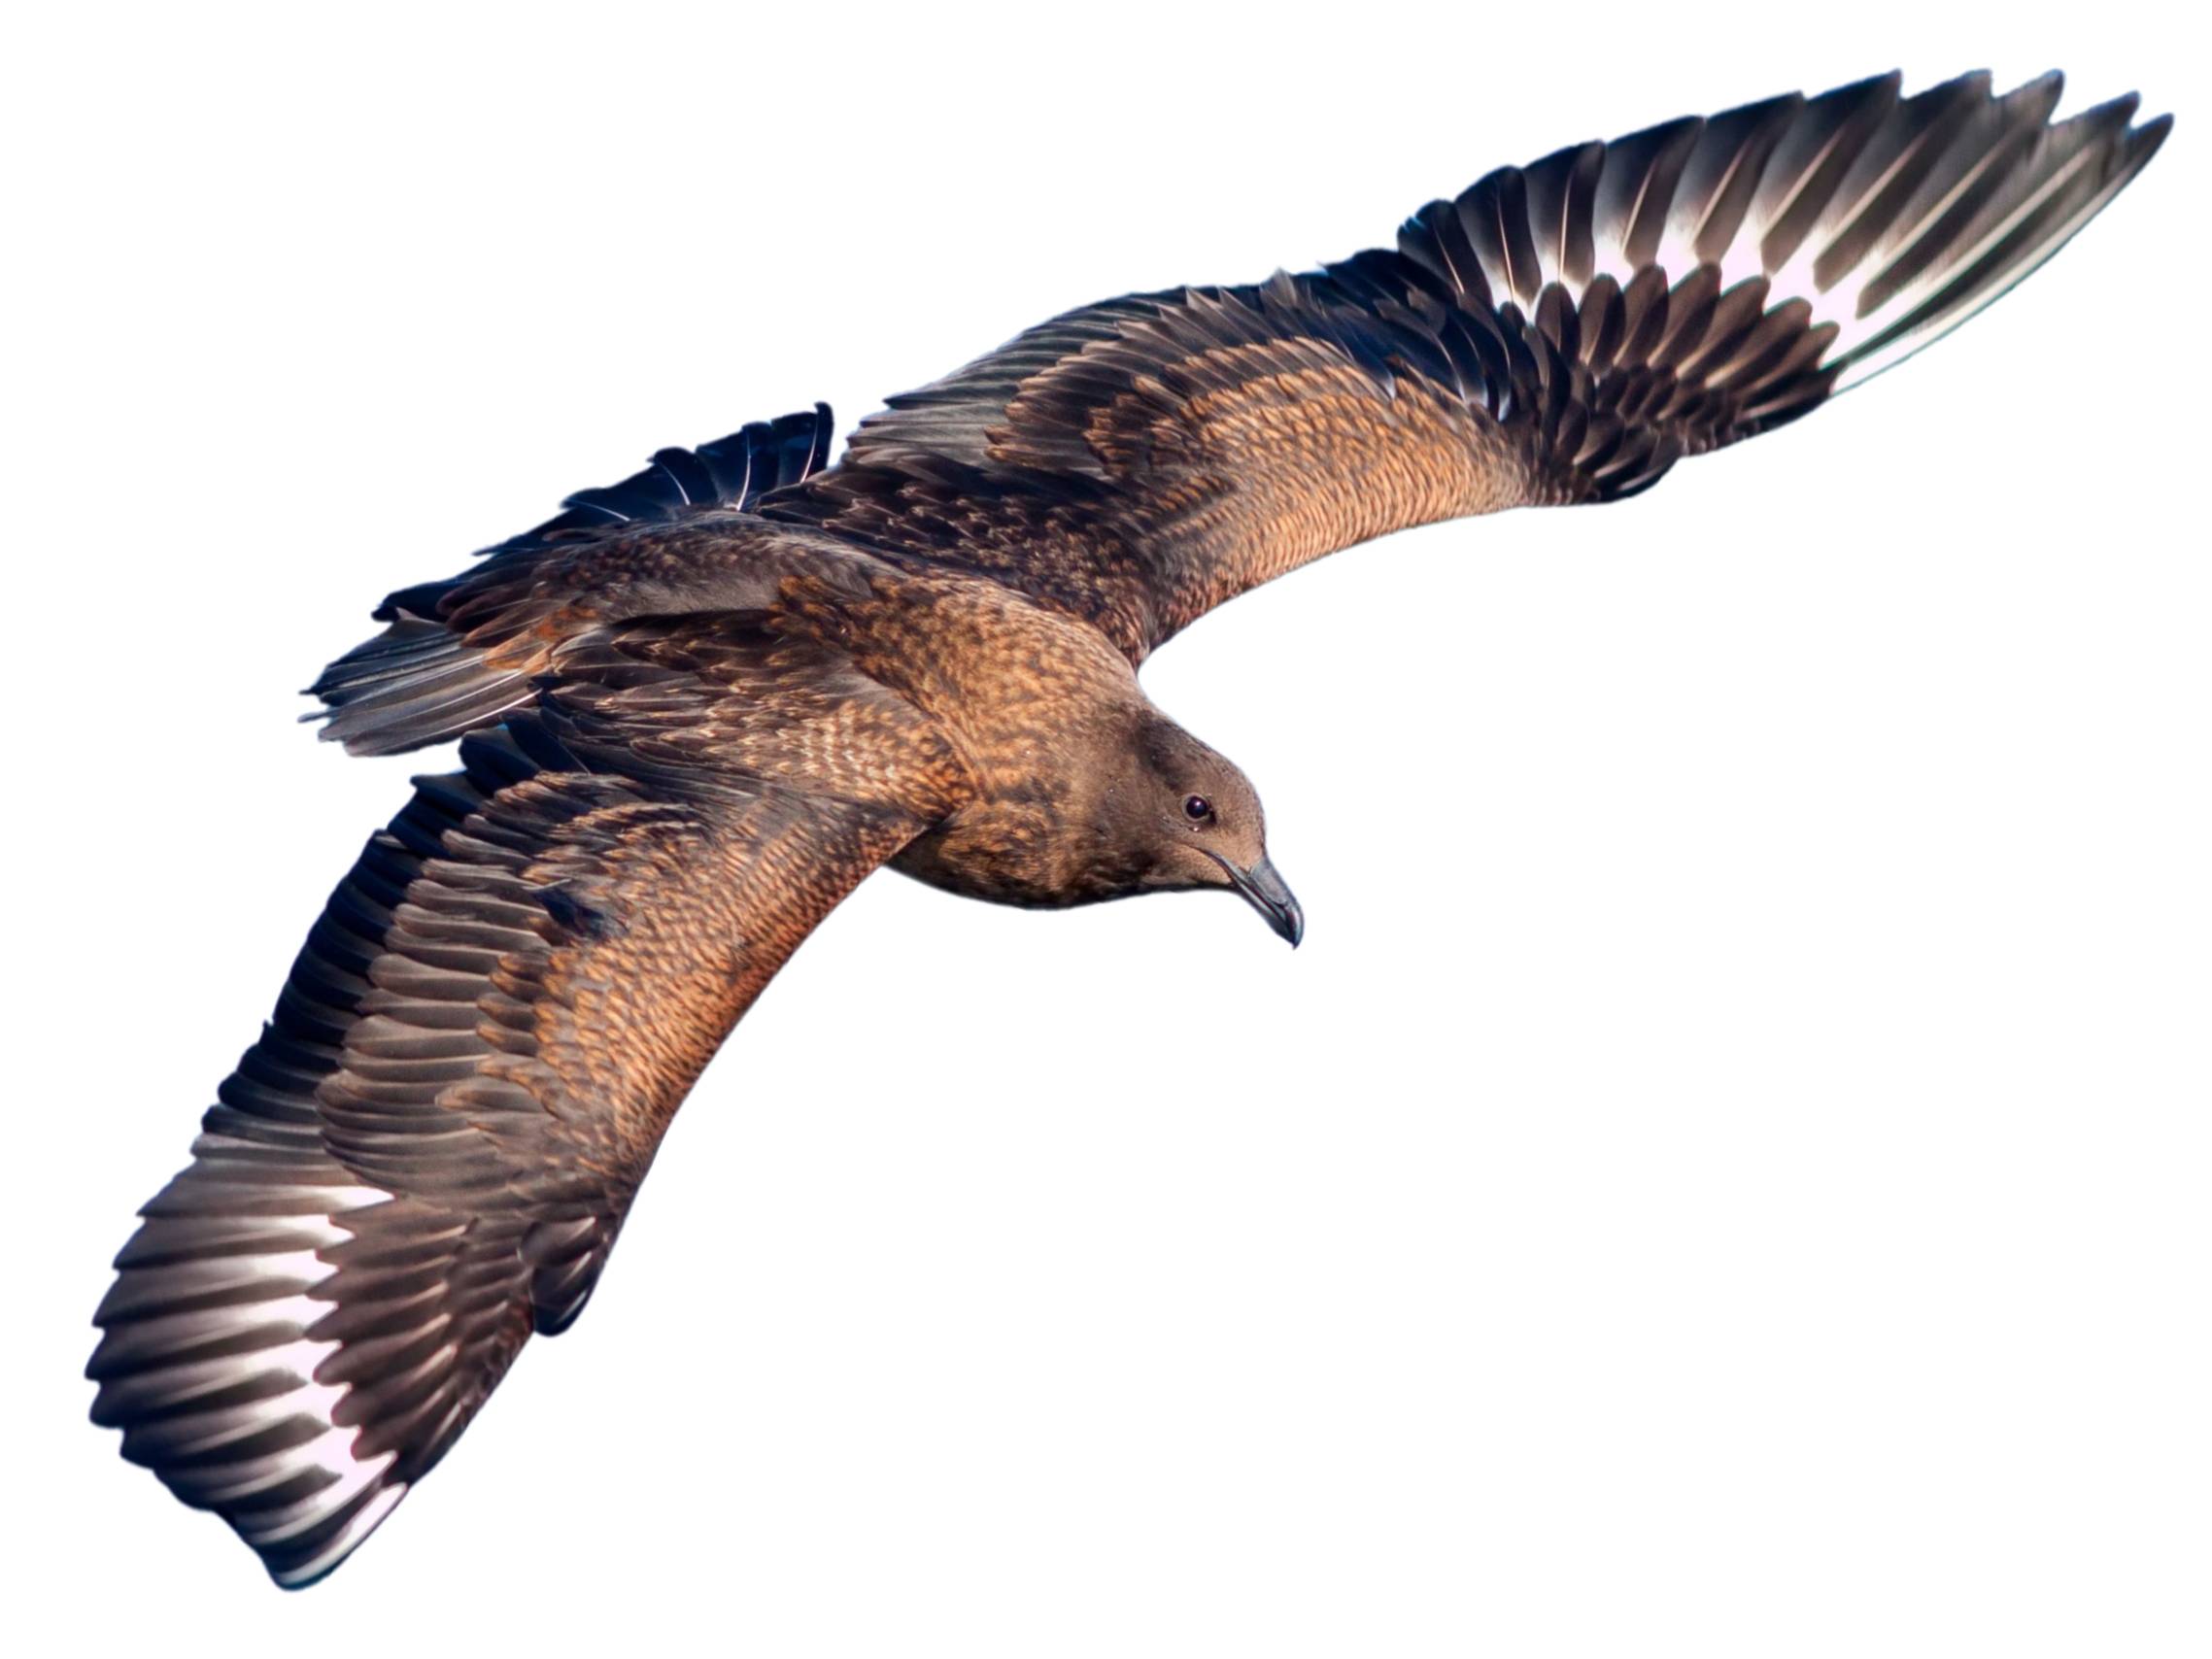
699	706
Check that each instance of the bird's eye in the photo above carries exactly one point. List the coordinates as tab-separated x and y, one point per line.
1196	808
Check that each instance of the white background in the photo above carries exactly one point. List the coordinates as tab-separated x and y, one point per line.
1726	1173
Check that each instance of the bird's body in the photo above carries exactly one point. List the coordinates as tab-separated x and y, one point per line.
700	707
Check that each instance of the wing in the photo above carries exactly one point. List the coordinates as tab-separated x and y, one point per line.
431	1149
1561	332
457	655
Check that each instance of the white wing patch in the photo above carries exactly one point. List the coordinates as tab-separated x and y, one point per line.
209	1365
1894	219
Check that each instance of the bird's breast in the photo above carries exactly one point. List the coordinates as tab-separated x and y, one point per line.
1018	848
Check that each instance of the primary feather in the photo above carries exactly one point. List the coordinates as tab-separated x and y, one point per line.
1559	332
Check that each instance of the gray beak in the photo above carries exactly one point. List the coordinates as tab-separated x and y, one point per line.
1266	891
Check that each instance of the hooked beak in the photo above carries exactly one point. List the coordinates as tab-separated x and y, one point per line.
1266	891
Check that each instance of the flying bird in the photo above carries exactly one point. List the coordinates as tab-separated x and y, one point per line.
699	706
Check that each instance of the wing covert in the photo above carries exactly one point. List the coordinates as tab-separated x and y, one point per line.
431	1150
1557	333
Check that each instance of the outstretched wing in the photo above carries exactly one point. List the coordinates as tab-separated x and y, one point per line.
430	1151
1561	332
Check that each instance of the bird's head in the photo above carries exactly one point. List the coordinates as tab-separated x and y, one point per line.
1183	816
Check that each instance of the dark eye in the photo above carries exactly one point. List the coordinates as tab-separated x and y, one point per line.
1196	808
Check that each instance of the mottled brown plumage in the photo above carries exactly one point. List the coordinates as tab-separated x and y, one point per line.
700	706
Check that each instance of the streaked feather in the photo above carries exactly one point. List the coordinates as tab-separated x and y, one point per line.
431	1149
1556	333
457	655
